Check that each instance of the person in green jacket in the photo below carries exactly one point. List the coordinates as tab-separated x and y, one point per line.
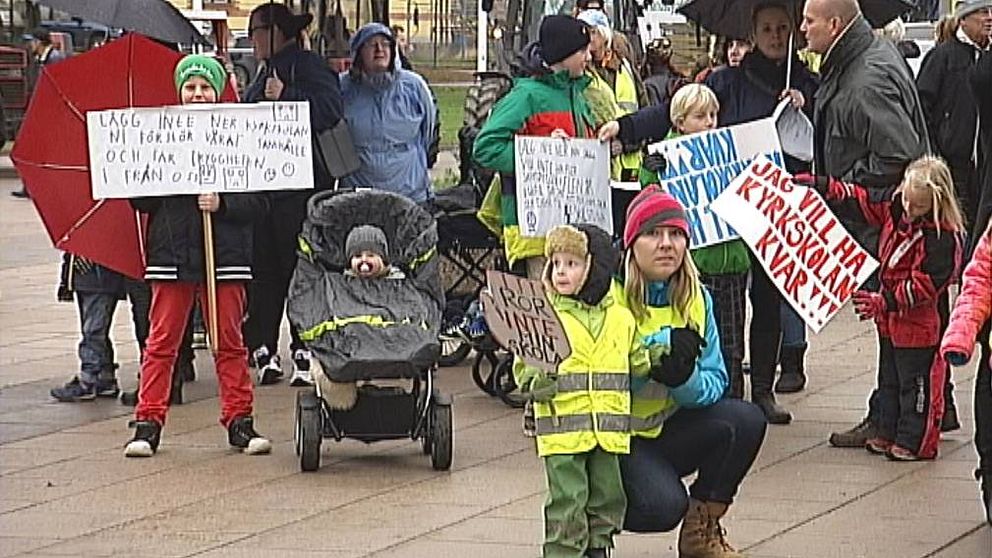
582	410
723	268
549	103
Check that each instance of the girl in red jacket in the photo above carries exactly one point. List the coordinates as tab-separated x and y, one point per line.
920	255
972	311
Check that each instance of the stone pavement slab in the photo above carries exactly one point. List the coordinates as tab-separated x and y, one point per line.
66	490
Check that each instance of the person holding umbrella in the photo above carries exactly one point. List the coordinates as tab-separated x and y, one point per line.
177	270
749	92
290	74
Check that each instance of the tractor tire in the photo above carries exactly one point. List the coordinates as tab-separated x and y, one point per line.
479	101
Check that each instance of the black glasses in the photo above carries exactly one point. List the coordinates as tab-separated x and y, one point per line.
251	30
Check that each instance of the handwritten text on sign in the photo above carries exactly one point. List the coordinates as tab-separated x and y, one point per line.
700	166
561	181
808	254
521	319
199	148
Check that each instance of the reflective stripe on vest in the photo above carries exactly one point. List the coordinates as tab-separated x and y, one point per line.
582	423
601	381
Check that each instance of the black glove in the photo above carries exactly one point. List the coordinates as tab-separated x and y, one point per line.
686	344
673	371
655	162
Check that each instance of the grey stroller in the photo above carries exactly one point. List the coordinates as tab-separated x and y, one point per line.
361	330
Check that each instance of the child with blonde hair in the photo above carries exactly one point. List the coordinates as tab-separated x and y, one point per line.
723	268
920	255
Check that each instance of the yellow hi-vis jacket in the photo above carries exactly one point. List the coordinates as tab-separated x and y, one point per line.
625	90
652	404
592	406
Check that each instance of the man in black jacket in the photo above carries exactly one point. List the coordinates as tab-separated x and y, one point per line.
290	74
868	122
950	109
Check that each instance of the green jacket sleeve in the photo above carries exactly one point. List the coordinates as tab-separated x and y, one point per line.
523	374
494	144
640	360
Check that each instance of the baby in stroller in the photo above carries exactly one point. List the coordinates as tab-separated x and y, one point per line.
367	300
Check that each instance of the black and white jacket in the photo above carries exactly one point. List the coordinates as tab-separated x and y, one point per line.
175	236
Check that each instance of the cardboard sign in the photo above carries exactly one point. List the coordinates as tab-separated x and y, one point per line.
560	182
195	149
521	319
700	166
815	263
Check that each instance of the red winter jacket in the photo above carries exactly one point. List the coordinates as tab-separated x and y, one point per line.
918	262
974	305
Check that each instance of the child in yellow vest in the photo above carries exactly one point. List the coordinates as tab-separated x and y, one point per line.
582	413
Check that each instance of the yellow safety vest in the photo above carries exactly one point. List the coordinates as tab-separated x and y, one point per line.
652	404
592	406
626	94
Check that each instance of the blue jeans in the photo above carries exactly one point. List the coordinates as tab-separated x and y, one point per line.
96	352
720	442
793	328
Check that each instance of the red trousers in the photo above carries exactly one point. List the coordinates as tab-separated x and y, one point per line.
171	304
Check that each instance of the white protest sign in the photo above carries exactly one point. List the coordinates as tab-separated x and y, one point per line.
199	148
700	166
815	263
561	181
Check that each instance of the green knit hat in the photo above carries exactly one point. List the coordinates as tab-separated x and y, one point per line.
207	67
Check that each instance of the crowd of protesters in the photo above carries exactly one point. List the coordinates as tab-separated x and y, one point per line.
904	162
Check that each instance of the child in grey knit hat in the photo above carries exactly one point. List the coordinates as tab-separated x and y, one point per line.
368	254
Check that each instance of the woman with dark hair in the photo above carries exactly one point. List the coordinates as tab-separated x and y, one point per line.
289	73
391	114
749	92
661	78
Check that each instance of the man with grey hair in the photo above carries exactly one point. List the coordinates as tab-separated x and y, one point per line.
868	122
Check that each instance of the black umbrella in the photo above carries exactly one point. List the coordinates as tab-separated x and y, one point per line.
157	19
732	18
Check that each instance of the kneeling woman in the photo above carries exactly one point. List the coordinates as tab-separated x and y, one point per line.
681	423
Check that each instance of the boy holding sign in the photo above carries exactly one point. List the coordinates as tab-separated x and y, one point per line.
920	255
583	411
550	103
177	269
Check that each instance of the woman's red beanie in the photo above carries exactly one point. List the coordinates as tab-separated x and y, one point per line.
651	208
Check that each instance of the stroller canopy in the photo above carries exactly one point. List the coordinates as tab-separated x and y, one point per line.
365	328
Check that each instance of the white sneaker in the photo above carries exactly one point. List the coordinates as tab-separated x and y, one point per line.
301	369
138	448
258	446
270	372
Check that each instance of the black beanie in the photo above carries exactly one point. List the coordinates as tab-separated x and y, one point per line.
561	36
366	238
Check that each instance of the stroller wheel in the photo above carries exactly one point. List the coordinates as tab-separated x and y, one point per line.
485	381
308	430
453	351
427	439
505	385
441	436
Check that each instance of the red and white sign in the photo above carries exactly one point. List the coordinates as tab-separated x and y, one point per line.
815	263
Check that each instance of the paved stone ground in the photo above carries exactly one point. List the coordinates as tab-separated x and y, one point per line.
66	489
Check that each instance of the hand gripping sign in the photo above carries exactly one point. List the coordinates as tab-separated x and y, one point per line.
815	263
521	319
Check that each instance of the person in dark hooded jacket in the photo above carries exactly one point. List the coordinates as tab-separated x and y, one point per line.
748	92
290	74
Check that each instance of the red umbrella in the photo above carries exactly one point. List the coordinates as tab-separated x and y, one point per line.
51	149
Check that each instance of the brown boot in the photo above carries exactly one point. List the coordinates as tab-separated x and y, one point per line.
701	535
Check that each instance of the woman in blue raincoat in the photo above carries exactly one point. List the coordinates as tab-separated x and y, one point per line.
391	115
